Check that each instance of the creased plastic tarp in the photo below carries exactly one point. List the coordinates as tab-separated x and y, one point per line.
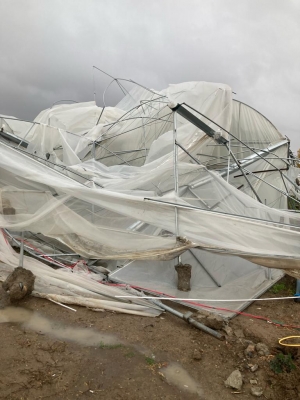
122	189
75	288
266	243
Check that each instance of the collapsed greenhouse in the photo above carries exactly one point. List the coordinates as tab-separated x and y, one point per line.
114	197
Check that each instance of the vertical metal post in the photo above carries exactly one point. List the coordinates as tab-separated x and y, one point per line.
144	138
269	274
298	287
228	164
175	152
94	157
175	171
94	150
21	251
243	173
94	86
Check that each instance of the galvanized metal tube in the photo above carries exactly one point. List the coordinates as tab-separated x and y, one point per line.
191	321
21	259
245	176
175	171
298	287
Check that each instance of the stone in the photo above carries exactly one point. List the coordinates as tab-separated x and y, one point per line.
19	283
203	314
197	355
256	391
228	330
262	349
250	350
253	381
184	272
254	368
214	322
235	380
239	333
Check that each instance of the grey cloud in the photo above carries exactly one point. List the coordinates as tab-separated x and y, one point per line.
48	48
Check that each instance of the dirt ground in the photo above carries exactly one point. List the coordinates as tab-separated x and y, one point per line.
72	365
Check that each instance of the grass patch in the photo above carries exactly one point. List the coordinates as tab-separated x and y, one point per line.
149	361
278	287
282	363
110	346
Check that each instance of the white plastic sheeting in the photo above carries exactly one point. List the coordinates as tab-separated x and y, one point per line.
269	242
122	207
214	277
76	288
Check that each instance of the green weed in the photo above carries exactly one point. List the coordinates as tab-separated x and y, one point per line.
278	287
110	346
282	363
149	361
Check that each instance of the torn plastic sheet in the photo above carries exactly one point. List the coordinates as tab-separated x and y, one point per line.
108	181
270	240
80	289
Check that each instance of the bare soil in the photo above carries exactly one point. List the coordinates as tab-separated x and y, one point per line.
35	365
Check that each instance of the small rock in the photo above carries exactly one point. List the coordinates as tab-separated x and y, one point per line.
19	283
230	339
253	381
201	318
214	322
197	355
250	350
228	330
203	313
262	349
254	368
256	391
239	333
235	380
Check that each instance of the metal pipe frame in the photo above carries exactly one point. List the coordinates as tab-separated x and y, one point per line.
240	141
175	171
242	171
210	132
46	162
205	269
255	219
188	318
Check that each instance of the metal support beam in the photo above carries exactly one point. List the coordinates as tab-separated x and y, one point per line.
244	175
205	269
198	123
175	171
188	318
21	259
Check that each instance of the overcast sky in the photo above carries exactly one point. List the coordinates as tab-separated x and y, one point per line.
48	48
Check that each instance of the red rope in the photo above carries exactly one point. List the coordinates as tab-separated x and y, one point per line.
211	307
